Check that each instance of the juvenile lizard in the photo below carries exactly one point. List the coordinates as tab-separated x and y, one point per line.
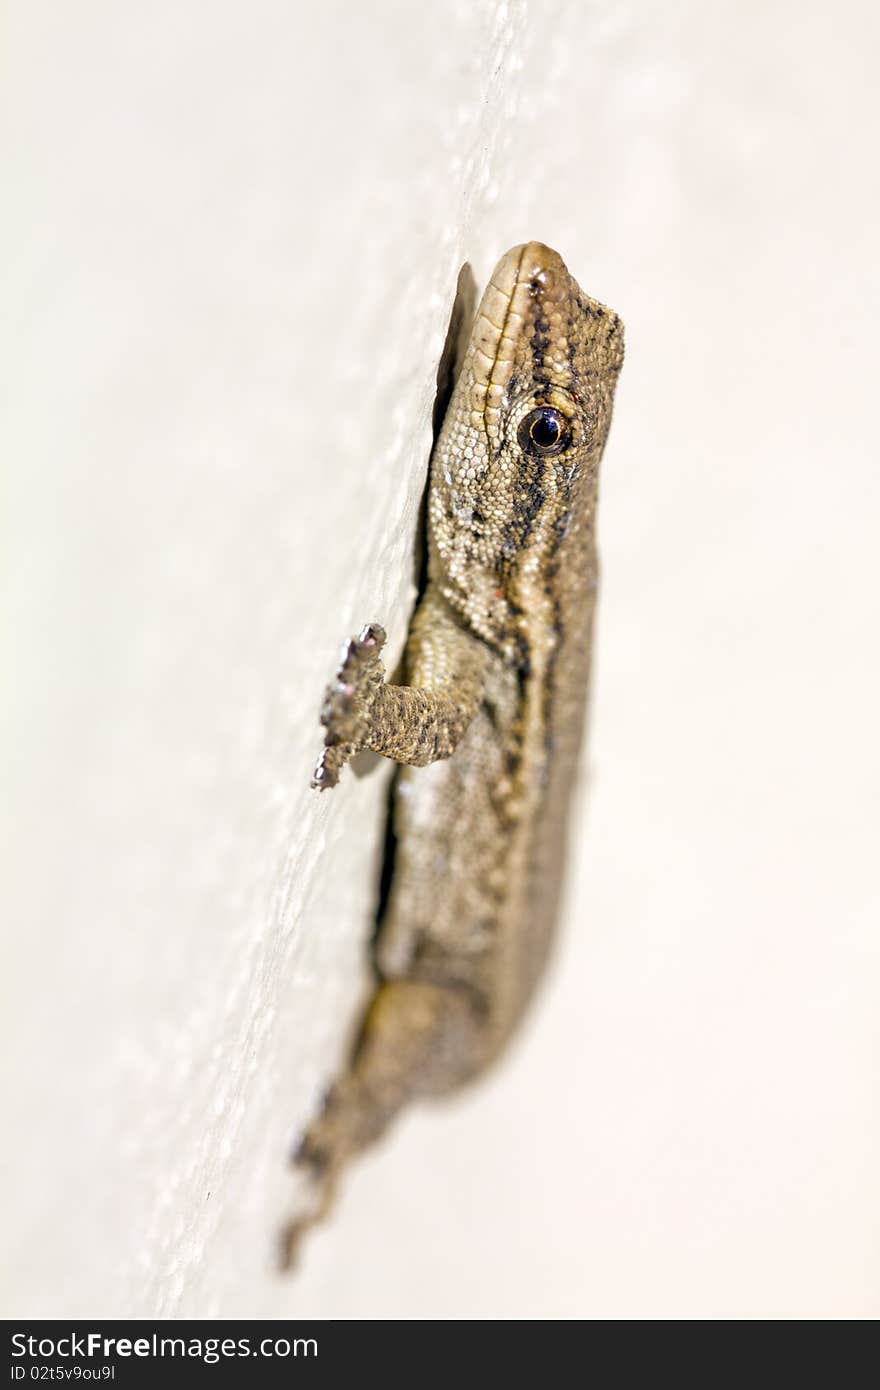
496	673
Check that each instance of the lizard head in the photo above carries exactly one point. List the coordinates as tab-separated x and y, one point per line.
516	463
542	366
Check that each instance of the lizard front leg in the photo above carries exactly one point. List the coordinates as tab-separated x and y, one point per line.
416	723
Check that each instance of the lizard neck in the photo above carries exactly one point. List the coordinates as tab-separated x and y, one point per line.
516	585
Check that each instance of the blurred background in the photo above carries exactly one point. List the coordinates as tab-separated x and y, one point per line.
232	240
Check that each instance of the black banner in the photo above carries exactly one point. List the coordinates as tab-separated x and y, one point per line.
146	1353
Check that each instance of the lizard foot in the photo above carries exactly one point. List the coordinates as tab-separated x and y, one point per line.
318	1158
347	712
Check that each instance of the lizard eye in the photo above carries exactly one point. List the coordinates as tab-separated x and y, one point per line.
543	431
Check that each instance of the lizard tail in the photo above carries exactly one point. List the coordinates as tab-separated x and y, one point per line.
417	1039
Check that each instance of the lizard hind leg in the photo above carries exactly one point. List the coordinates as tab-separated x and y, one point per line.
417	1039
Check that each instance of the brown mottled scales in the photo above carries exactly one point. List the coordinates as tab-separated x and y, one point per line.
491	715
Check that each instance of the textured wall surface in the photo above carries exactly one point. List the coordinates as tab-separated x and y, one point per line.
234	237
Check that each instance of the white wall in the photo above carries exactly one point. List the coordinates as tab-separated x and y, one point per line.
235	235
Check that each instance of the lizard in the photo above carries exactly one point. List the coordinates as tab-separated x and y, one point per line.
487	724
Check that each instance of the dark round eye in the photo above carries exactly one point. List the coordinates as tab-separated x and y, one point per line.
543	431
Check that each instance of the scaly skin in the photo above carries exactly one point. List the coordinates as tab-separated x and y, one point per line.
497	667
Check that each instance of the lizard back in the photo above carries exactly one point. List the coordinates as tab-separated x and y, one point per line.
512	576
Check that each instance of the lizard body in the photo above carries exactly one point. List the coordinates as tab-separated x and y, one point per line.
488	723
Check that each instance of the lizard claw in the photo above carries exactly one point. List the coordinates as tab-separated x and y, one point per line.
347	709
372	636
325	774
